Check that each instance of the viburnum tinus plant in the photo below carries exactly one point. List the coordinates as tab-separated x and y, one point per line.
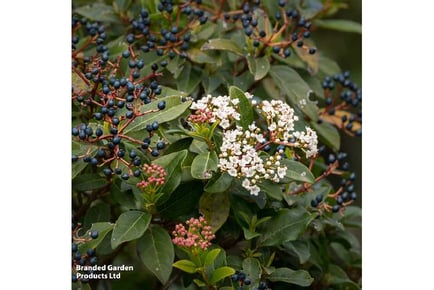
206	146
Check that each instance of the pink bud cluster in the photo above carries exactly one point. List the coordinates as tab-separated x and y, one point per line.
201	116
198	235
156	176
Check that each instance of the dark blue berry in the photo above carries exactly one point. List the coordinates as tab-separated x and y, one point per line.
161	105
74	248
125	176
306	34
93	261
74	158
82	134
242	276
319	198
352	176
74	278
287	52
282	3
294	36
314	203
339	200
247	282
345	196
113	131
267	148
137	161
93	161
107	171
121	153
300	43
155	152
276	49
136	173
118	170
98	132
116	140
331	158
130	38
91	252
86	159
336	208
353	195
129	114
350	188
160	145
75	132
154	125
126	53
234	277
94	234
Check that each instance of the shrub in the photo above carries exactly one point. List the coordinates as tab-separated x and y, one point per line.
206	147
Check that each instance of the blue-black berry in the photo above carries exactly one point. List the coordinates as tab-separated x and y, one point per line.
94	234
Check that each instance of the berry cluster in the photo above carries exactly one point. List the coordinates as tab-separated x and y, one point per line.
345	194
241	279
113	100
198	235
289	28
83	259
342	97
174	34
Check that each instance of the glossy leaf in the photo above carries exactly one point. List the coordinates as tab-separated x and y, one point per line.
100	212
339	24
252	268
186	266
221	184
286	225
258	67
300	248
245	106
327	134
336	276
210	257
98	12
248	234
222	44
188	80
293	86
174	108
88	182
271	189
156	251
311	60
204	164
215	208
130	225
102	228
297	171
172	165
299	277
328	66
220	274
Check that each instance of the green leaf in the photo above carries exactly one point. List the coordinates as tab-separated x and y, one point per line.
328	66
311	60
103	229
199	56
293	86
98	12
203	164
130	225
336	275
172	165
328	134
297	171
248	234
220	274
183	200
222	44
97	213
210	257
156	251
189	79
286	225
271	189
299	277
258	67
220	185
252	268
174	108
339	24
215	208
245	107
186	266
88	182
199	282
121	5
300	248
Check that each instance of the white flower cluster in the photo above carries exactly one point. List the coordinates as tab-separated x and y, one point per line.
222	108
307	140
240	149
240	158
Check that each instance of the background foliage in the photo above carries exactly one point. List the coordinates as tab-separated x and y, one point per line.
278	240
